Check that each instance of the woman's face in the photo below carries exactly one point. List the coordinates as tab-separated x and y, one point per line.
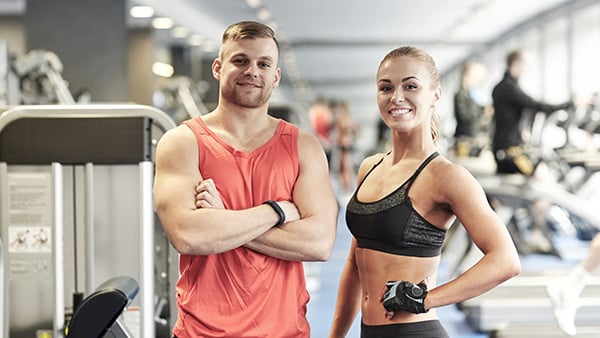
405	96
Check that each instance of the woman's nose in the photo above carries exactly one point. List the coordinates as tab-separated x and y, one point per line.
398	97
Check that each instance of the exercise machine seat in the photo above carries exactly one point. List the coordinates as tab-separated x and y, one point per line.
99	312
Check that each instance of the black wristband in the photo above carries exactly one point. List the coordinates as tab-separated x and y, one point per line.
278	210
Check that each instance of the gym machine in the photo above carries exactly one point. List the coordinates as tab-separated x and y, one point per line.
520	305
75	208
33	78
181	98
99	313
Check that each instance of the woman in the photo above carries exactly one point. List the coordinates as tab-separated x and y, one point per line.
405	202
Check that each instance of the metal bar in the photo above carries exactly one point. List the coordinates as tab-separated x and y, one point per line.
119	330
90	278
147	249
60	88
3	254
160	118
57	252
2	292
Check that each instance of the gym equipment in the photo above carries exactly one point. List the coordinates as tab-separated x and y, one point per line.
75	187
2	287
41	79
523	301
99	313
34	78
181	98
590	330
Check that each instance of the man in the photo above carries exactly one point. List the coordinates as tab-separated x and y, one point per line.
263	205
468	111
510	102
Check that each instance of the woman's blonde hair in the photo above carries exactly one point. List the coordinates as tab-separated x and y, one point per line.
434	76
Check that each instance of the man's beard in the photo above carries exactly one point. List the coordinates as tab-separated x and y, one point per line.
246	100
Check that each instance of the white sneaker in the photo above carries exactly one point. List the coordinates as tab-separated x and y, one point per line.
564	309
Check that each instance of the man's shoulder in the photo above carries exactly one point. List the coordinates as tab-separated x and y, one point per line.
177	134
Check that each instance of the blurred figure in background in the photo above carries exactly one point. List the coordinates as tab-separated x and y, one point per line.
321	120
510	103
343	133
469	110
565	294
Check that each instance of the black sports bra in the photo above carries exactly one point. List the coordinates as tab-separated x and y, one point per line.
391	224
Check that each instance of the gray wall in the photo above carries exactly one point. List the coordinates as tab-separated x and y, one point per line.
90	37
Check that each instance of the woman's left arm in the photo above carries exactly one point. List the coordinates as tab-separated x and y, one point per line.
500	261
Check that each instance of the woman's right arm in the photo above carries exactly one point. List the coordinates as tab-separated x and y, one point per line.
348	297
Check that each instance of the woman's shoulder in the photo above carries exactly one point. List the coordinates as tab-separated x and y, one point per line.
373	159
451	173
441	166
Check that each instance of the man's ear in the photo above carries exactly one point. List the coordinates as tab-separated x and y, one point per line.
277	78
216	69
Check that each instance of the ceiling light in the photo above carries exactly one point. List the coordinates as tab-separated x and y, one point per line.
195	40
162	23
254	3
179	32
162	69
141	11
263	14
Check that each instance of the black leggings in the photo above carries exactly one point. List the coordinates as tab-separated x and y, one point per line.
425	329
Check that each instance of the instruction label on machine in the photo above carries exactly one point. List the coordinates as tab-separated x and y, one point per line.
29	219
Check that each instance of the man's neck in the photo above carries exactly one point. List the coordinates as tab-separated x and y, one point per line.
245	129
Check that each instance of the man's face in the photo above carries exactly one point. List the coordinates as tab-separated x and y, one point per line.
518	67
247	71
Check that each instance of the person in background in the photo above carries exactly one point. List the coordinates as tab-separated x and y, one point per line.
510	103
565	294
321	120
244	198
468	111
405	202
344	131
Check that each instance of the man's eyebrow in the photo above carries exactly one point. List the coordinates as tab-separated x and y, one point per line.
240	54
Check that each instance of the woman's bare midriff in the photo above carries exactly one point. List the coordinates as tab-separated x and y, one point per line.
376	268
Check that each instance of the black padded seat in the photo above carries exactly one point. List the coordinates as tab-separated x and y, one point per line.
99	312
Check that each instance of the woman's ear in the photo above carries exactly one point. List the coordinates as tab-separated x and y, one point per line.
437	95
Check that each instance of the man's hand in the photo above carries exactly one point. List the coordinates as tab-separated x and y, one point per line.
290	210
404	296
207	195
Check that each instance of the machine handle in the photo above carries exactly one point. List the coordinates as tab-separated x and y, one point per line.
57	252
160	118
2	290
